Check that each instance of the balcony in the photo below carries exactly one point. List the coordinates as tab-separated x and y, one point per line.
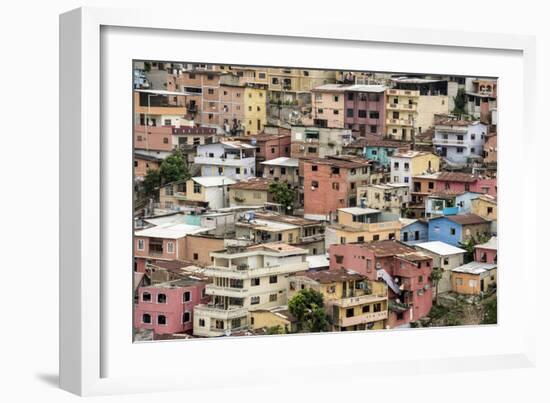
399	122
363	318
408	93
401	107
448	142
218	311
361	300
242	274
215	290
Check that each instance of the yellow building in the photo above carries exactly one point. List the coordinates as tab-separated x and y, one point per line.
485	206
352	301
251	192
401	113
255	108
356	224
272	318
474	278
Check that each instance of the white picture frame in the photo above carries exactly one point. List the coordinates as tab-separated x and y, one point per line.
96	355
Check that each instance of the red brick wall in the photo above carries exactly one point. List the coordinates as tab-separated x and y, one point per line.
325	199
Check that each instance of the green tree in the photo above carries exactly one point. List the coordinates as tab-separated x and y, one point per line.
489	311
147	66
276	330
460	102
151	183
174	168
307	306
282	194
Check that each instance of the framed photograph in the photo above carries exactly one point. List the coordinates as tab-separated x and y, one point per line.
241	195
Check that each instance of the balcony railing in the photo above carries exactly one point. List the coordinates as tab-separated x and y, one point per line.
405	107
399	122
226	291
219	312
361	300
363	318
448	141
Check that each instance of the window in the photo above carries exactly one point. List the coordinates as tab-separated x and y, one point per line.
314	167
343	240
254	300
366	309
453	231
376	237
445	261
283	171
272	297
161	320
255	281
349	113
272	279
261	75
170	247
319	110
374	115
161	298
186	296
314	184
349	313
406	166
396	165
195	256
489	210
430	185
335	186
335	111
459	281
336	98
219	324
210	91
146	297
472	283
406	178
201	322
192	75
186	317
165	140
362	113
373	128
377	307
400	316
146	318
312	150
141	244
350	96
420	279
339	258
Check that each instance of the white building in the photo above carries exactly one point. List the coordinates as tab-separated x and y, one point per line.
246	279
458	140
231	159
446	257
212	189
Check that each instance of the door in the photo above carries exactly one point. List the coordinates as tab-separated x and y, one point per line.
482	285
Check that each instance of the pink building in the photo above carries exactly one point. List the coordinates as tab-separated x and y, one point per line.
405	270
462	182
155	138
486	252
167	308
365	110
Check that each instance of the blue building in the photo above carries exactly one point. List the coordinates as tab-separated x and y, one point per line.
413	231
381	150
454	229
